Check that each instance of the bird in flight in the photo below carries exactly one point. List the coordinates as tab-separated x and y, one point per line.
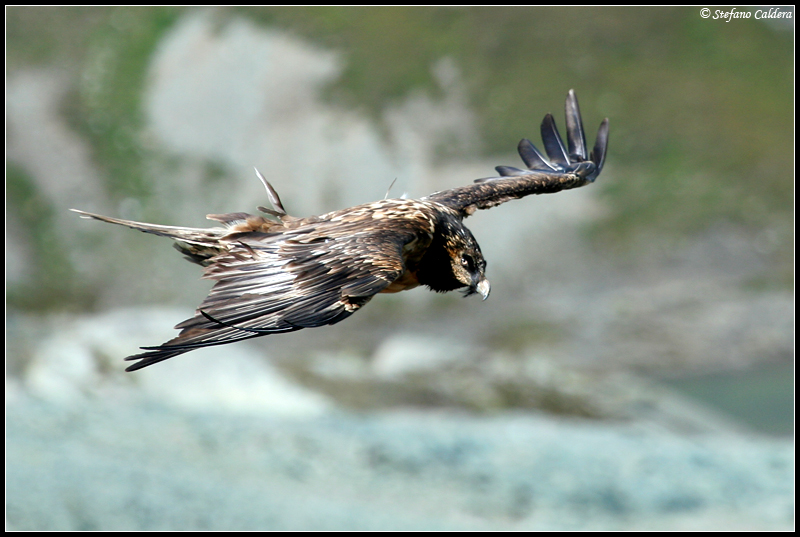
280	273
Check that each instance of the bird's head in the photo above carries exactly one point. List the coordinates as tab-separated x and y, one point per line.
468	268
467	263
454	260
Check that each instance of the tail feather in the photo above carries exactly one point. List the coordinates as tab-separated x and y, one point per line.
191	235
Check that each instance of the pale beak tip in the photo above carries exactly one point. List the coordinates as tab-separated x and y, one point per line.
484	287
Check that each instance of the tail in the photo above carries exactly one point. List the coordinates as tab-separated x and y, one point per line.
190	235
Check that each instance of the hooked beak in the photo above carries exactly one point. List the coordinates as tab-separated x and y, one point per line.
483	288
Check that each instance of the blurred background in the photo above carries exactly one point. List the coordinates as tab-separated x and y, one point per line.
633	368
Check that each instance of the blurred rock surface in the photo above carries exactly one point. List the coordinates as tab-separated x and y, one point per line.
135	465
221	440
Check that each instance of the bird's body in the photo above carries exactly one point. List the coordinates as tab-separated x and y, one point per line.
286	273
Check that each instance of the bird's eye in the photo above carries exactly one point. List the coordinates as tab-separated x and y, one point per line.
467	261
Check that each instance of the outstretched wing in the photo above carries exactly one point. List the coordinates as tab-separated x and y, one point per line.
272	283
565	168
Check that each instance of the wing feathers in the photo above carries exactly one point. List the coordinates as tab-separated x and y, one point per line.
576	139
566	167
600	147
531	156
552	143
510	171
286	282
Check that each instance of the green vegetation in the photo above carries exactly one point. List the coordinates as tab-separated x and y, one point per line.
109	49
52	283
108	108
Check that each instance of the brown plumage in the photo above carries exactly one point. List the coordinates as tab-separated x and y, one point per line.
282	273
